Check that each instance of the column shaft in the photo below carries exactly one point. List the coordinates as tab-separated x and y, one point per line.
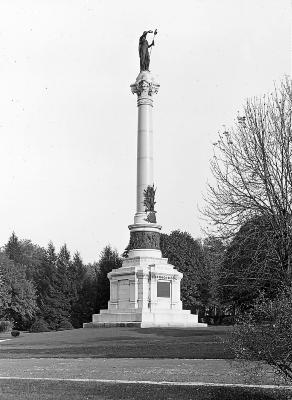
144	153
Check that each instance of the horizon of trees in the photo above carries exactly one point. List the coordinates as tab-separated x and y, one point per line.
39	283
219	279
55	287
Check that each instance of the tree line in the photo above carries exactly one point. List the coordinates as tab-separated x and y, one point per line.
60	290
41	284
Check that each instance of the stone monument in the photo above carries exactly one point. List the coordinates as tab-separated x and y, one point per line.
145	291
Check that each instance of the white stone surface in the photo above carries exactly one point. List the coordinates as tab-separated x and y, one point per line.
144	87
134	299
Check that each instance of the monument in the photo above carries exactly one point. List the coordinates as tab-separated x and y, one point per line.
145	291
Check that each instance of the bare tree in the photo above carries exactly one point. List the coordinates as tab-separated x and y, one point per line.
253	170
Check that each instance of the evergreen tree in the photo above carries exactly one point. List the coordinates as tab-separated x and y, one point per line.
13	249
85	305
44	283
77	273
62	288
109	260
187	256
51	254
55	299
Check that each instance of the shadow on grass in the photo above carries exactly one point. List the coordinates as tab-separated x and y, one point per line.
186	332
14	389
196	351
122	343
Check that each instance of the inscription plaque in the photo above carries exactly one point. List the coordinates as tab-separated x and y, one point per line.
163	289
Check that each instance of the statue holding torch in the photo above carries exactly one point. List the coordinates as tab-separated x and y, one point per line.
144	50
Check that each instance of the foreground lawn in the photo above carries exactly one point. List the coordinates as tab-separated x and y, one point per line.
121	343
63	390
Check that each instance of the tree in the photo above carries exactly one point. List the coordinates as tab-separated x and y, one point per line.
56	293
13	249
45	286
253	170
17	294
186	254
109	260
32	257
85	305
214	254
5	294
26	253
248	267
265	333
77	274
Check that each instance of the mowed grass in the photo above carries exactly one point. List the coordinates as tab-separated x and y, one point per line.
14	389
121	343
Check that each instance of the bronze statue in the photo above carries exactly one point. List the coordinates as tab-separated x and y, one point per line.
149	198
144	52
149	203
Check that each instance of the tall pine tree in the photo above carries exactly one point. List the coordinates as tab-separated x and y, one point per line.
13	249
76	273
55	300
109	260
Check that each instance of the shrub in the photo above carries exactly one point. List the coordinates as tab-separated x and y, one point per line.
39	326
15	333
64	325
227	320
5	326
265	333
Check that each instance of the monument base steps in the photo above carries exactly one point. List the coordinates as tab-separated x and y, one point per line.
145	293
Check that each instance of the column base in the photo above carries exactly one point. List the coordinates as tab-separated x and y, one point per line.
145	292
151	253
145	319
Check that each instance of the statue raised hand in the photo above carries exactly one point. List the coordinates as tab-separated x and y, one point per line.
144	52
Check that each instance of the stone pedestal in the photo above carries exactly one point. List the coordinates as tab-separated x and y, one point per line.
145	291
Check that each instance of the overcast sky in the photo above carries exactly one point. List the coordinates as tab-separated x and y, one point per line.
68	119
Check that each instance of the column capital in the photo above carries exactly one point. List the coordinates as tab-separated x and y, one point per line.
145	86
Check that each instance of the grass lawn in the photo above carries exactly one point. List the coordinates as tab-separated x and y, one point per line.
120	343
65	390
36	354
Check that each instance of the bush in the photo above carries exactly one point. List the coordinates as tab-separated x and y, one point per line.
39	326
5	326
265	333
227	320
64	325
15	333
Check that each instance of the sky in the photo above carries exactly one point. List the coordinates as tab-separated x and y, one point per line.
68	119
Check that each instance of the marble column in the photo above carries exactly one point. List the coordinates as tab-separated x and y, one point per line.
144	240
145	87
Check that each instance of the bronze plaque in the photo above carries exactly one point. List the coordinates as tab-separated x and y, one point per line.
163	289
